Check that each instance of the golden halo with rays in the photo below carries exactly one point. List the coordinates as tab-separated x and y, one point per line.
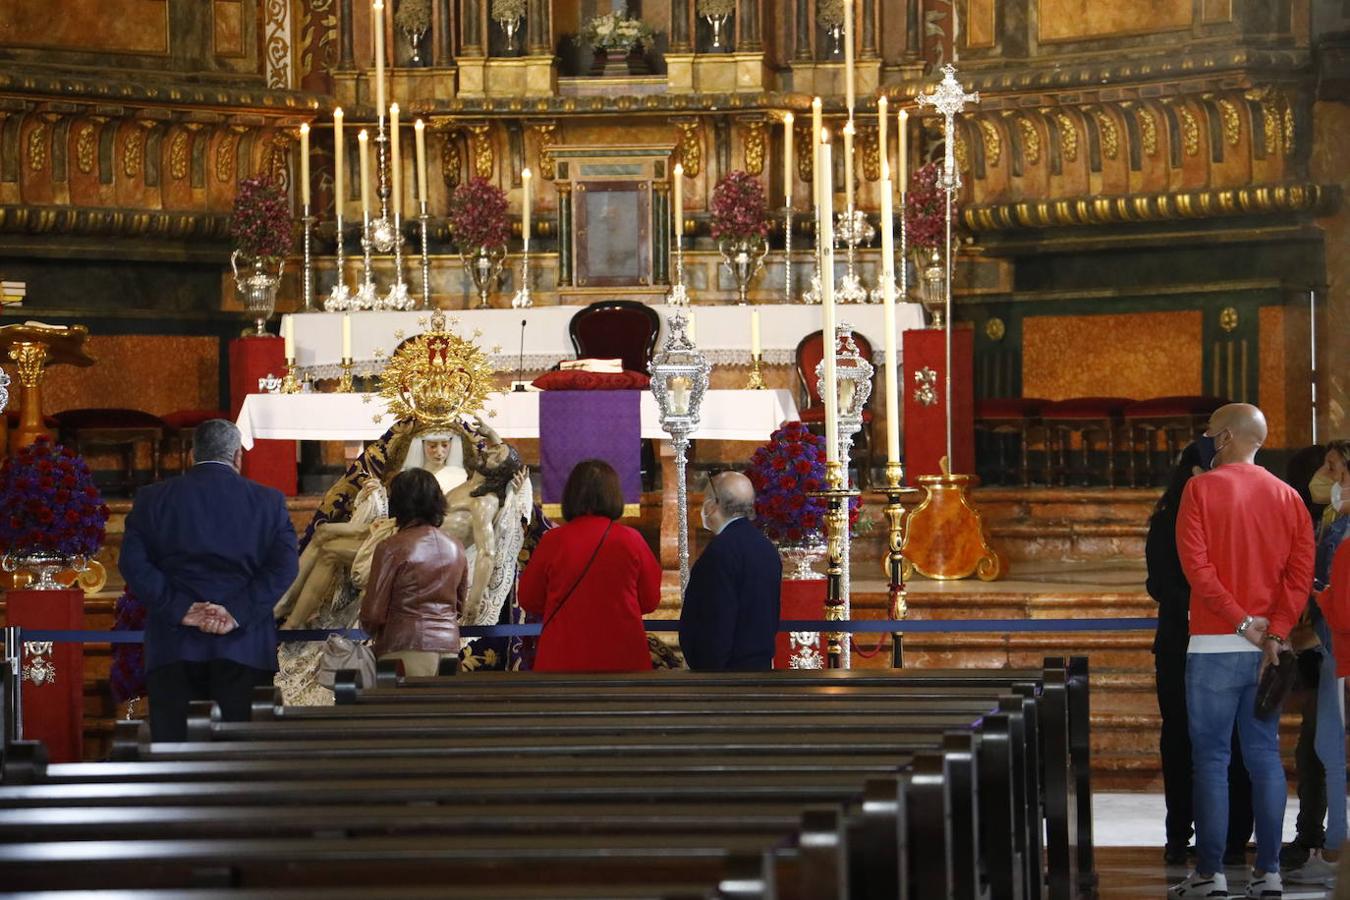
436	377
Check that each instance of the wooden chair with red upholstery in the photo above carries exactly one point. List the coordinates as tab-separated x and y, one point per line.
1086	418
616	329
181	427
122	430
811	408
1003	417
1178	419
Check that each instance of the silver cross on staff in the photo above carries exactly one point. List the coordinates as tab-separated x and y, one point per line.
949	99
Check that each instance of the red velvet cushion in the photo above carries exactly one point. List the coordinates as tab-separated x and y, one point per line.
1170	407
191	418
816	414
1086	408
1009	408
107	418
593	381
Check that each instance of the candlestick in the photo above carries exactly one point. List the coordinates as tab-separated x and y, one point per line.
756	380
289	383
902	154
395	174
306	244
377	30
754	332
338	296
345	385
883	105
426	256
525	177
888	323
419	131
825	203
849	87
346	336
304	164
679	201
788	159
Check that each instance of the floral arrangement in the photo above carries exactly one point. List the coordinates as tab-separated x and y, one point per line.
716	9
414	16
783	471
507	10
739	209
925	203
478	216
50	502
260	224
126	678
615	31
830	13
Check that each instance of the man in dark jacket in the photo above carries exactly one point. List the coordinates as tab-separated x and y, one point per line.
209	553
730	617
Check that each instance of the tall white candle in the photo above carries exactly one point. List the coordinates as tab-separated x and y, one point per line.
788	159
888	323
525	177
377	31
849	89
339	163
678	188
830	393
346	336
288	337
395	179
848	164
883	106
902	154
304	163
754	333
420	129
363	147
816	129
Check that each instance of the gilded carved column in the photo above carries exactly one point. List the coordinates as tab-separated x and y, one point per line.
346	58
471	21
869	29
539	23
443	48
565	235
679	26
803	30
913	44
747	26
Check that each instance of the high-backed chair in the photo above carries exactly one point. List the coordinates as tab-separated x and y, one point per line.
1177	419
616	329
1086	418
1001	418
811	408
115	429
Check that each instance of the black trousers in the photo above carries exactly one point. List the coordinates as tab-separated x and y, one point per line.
1312	776
172	687
1175	747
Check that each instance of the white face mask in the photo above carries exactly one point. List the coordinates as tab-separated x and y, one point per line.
1336	495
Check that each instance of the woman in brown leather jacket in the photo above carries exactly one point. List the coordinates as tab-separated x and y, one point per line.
418	580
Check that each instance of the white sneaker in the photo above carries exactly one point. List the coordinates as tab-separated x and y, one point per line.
1195	885
1266	887
1315	871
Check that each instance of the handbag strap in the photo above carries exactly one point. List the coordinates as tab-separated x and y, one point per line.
567	596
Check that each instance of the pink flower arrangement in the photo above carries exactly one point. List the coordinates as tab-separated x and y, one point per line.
925	203
50	502
260	223
739	210
783	472
478	216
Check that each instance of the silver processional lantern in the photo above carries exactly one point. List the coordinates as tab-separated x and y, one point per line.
680	376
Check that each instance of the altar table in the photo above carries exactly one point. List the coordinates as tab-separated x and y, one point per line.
723	333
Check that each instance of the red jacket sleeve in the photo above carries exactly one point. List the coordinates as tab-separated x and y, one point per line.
1335	600
1296	580
649	577
533	592
1200	571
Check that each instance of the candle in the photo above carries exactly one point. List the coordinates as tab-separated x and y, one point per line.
346	336
788	160
754	333
288	337
679	395
848	165
831	348
363	146
679	203
816	132
815	123
304	164
377	31
419	130
339	162
395	191
848	57
888	323
901	162
525	176
882	150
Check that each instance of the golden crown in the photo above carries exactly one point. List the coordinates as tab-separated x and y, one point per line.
436	377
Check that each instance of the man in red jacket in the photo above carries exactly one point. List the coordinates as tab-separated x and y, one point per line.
1246	546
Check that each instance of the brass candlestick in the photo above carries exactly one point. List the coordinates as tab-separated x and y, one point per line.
345	382
838	495
756	380
289	385
895	494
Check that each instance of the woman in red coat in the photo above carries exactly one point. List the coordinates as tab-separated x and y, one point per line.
591	580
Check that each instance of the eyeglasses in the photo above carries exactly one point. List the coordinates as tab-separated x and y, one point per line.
712	484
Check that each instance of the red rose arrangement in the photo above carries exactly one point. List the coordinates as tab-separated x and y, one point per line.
739	210
925	206
478	216
50	503
783	471
260	222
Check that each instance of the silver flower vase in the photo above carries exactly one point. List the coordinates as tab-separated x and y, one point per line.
257	287
484	267
744	259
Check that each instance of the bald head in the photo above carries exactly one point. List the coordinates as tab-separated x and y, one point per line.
1239	430
735	494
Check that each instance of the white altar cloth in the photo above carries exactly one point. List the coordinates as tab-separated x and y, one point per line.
725	415
723	333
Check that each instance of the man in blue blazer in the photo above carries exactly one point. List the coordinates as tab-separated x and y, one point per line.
208	553
730	617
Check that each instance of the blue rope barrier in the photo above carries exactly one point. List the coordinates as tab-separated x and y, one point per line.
855	626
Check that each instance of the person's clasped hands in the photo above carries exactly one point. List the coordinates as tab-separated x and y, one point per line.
210	618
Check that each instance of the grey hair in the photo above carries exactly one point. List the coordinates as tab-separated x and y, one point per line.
216	440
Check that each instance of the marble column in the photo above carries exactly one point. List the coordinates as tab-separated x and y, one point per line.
471	21
346	59
747	25
540	27
679	26
913	43
443	48
869	29
803	30
565	235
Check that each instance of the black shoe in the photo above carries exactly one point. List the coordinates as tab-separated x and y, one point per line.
1294	855
1235	857
1176	854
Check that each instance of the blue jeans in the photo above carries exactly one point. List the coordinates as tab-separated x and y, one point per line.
1330	741
1221	691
